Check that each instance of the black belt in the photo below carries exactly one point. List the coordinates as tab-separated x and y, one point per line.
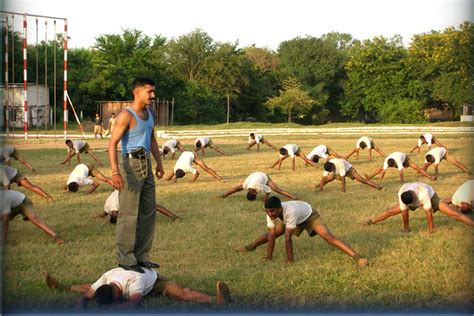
136	156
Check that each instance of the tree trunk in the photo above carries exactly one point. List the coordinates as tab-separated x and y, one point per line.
228	108
289	115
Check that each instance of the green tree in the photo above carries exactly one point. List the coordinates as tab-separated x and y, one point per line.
292	99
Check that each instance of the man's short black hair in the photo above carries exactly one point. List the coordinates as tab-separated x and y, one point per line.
165	150
407	197
283	151
113	218
430	158
362	145
273	202
251	195
104	295
68	141
329	166
252	135
315	158
198	144
73	187
180	173
422	138
141	82
391	163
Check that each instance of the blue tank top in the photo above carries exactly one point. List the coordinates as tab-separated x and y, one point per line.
139	135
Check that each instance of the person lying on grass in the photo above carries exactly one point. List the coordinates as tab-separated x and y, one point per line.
79	177
463	198
413	195
258	182
341	169
127	288
15	203
436	155
9	175
292	151
257	139
77	147
428	139
296	216
202	142
400	161
322	152
184	165
365	142
112	208
171	146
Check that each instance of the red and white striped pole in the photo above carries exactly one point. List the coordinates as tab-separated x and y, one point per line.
25	84
7	97
65	80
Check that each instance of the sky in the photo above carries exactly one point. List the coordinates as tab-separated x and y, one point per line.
265	23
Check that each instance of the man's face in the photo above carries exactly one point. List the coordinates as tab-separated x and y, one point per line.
146	94
274	213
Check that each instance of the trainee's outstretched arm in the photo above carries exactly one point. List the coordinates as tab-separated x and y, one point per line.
232	191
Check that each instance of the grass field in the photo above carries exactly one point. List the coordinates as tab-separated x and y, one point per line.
415	272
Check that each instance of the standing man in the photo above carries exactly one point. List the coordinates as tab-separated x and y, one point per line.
134	179
111	126
97	126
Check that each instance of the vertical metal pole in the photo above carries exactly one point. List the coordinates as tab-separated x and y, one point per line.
46	106
13	74
55	74
37	82
65	81
7	97
172	111
25	78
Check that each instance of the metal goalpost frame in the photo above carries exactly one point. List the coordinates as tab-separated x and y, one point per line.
25	64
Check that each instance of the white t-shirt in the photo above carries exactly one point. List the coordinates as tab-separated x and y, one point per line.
367	140
204	141
294	213
7	150
423	192
7	173
80	175
342	166
438	153
258	182
465	193
130	282
428	137
399	158
171	145
292	149
10	199
258	138
185	162
77	145
319	151
112	202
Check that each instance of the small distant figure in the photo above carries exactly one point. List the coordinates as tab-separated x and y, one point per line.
434	157
258	139
171	146
365	142
340	169
418	194
98	126
184	165
112	208
400	161
295	217
463	198
79	177
9	151
15	203
9	175
202	142
258	182
77	147
428	139
322	152
292	151
111	126
127	287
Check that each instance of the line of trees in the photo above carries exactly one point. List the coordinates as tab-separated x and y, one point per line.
308	80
